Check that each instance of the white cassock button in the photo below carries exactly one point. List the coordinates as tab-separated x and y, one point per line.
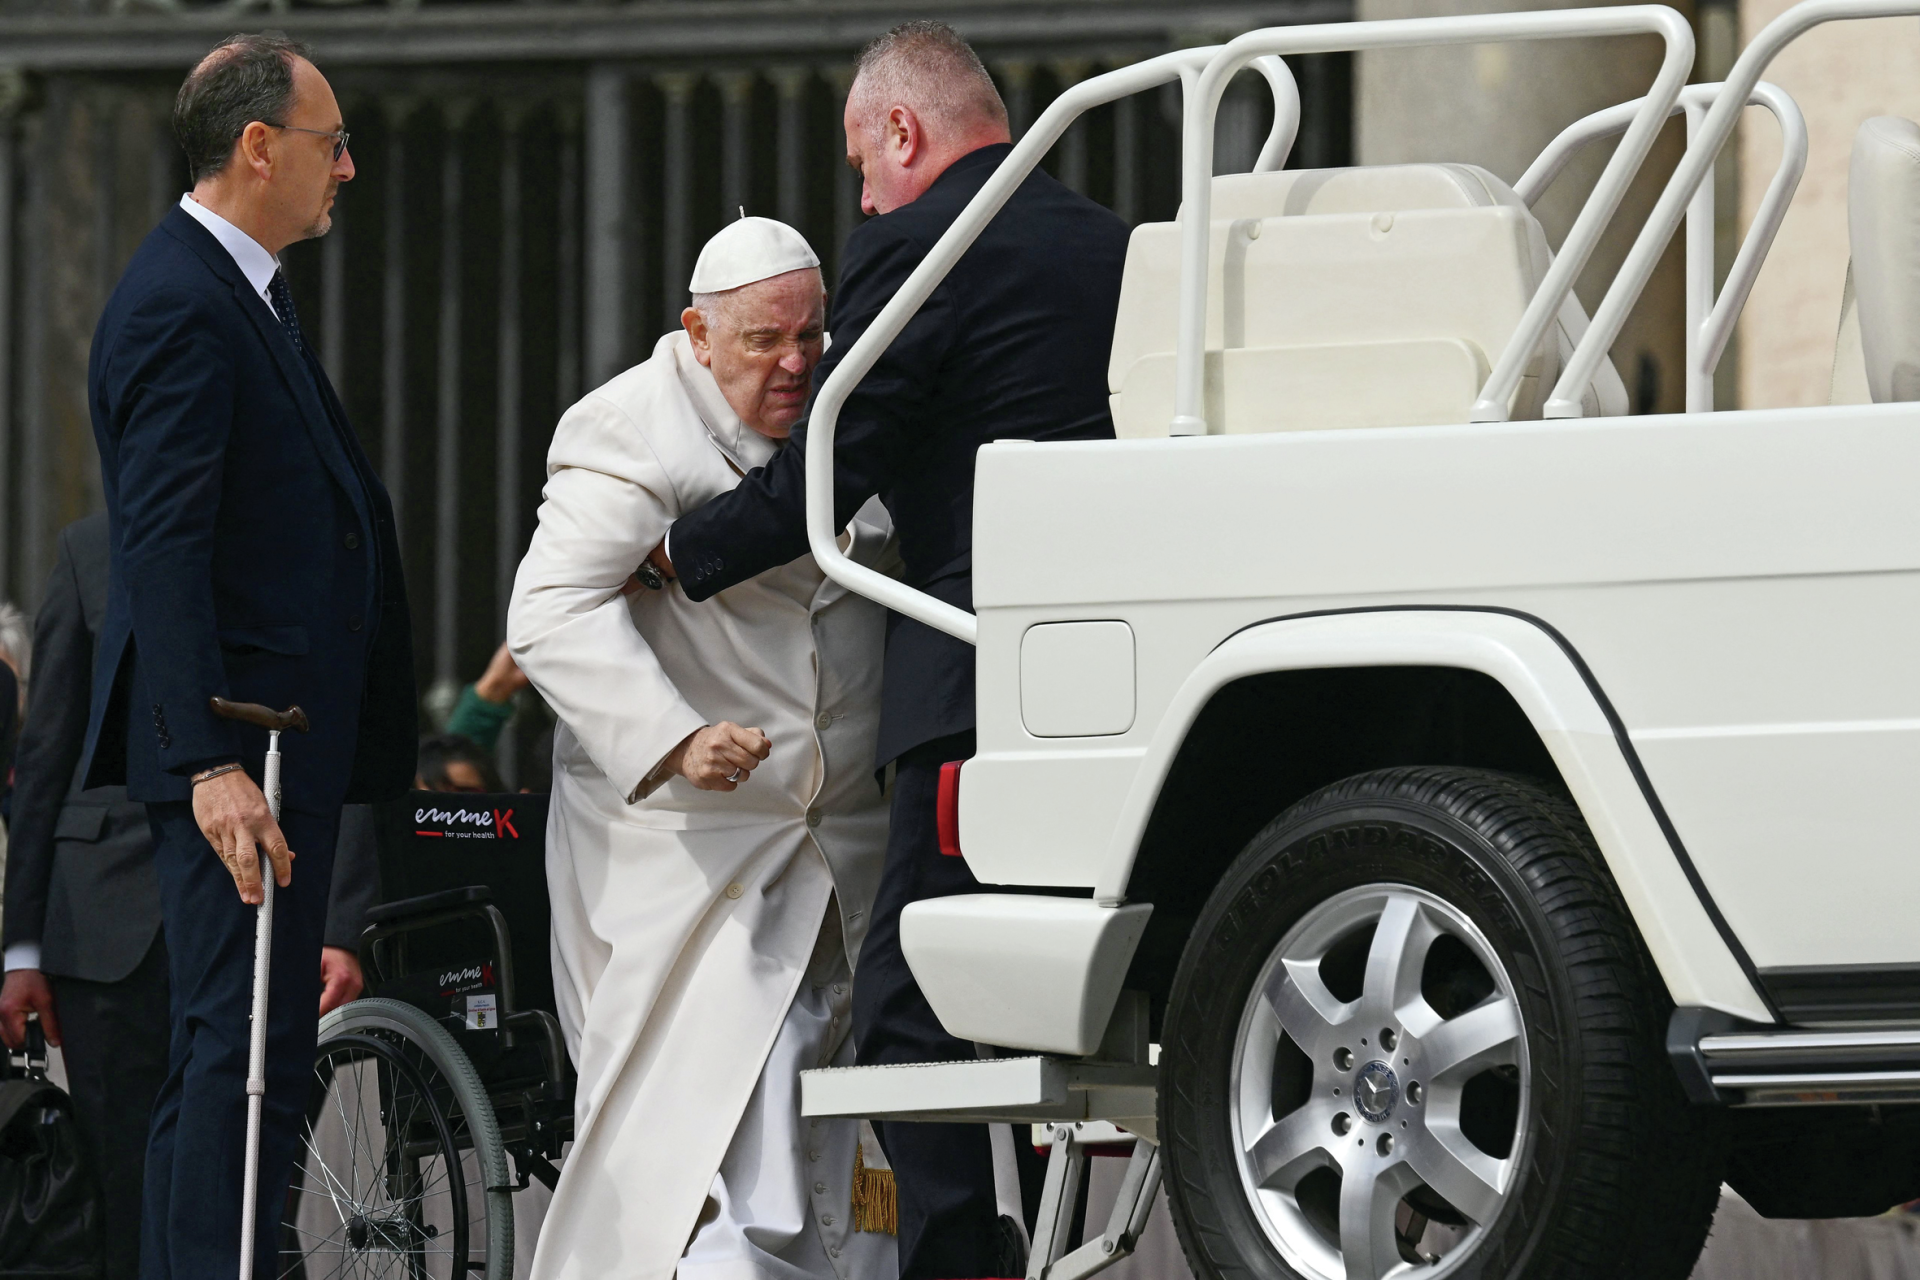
824	720
813	817
734	891
826	1219
813	1155
833	1253
839	990
819	1188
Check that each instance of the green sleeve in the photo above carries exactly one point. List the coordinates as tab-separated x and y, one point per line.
474	717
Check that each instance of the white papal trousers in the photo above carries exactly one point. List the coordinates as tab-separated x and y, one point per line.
780	1208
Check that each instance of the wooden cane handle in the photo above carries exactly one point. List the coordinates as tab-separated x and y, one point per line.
254	713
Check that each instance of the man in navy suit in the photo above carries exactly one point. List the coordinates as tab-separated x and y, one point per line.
1014	343
252	558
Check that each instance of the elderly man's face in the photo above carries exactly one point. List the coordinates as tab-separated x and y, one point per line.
762	344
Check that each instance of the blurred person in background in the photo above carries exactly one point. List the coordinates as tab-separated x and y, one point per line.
16	649
452	762
81	935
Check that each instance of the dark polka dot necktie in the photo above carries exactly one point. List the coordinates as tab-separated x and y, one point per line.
283	308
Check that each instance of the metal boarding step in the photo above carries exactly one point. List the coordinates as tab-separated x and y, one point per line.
1796	1067
1059	1093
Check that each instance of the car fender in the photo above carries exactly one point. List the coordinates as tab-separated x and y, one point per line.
1695	951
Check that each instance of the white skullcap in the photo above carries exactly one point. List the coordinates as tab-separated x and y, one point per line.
748	250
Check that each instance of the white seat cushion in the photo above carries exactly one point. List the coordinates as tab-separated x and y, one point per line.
1883	223
1344	298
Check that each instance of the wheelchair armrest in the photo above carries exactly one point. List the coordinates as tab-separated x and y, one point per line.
429	903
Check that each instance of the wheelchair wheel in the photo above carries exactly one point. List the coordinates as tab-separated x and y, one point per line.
400	1170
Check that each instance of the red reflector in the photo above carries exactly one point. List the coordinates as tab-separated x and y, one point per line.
948	808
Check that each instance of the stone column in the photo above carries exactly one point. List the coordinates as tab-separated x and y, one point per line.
608	146
736	155
791	84
1073	146
677	194
446	503
1497	105
393	317
12	93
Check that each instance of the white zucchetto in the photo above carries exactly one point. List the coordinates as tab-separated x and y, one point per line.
748	250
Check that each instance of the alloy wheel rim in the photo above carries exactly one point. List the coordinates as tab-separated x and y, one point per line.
1379	1088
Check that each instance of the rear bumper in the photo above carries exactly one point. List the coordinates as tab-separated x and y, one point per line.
1022	971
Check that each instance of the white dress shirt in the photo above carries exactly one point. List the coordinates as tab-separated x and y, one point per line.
258	266
255	263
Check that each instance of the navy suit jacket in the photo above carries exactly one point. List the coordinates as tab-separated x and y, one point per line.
253	553
1013	344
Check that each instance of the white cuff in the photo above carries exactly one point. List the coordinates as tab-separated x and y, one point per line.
22	955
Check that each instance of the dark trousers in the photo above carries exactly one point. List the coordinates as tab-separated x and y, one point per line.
115	1049
949	1223
197	1148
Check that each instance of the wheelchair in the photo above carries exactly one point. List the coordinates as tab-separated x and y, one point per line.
447	1088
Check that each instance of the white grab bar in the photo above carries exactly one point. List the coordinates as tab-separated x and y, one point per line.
1710	321
1197	165
1704	147
1026	155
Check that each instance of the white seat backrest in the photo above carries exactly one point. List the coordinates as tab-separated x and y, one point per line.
1344	298
1883	223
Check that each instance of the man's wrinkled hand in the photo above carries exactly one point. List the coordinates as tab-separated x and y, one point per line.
234	817
340	978
719	757
27	991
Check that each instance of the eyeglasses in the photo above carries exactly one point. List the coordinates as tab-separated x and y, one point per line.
339	136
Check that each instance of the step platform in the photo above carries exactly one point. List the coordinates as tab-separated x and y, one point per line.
1067	1096
1036	1090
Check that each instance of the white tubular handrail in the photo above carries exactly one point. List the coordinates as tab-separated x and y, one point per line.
1026	155
1197	164
1286	115
1704	147
1710	321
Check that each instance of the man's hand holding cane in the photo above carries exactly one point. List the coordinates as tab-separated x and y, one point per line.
234	817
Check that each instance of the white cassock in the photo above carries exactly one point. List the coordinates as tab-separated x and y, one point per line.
702	940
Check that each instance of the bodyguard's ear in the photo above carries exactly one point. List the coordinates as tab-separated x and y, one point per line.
696	326
904	135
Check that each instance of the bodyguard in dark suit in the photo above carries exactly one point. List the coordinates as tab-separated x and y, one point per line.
82	928
1013	344
253	558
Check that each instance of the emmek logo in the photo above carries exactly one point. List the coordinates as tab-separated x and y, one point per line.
466	824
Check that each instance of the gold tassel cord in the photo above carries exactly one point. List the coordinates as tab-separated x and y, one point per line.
876	1202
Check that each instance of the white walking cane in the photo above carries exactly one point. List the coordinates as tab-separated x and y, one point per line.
275	723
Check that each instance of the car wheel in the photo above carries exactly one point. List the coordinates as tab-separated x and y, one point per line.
1415	1033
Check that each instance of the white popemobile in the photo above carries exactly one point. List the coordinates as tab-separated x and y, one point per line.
1488	805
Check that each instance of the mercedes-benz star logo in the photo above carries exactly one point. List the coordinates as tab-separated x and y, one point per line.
1375	1091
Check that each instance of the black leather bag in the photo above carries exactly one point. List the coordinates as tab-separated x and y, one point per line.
50	1213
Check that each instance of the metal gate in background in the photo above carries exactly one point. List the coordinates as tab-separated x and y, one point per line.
533	182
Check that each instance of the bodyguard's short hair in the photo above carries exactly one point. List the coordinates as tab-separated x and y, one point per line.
244	78
925	65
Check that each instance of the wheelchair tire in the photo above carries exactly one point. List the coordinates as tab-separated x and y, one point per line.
435	1058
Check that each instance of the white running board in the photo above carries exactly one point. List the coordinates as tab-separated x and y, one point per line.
992	1090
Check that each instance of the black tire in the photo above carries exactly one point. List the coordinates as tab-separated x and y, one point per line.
1609	1171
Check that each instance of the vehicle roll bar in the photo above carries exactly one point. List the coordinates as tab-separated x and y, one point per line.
1709	321
1184	65
1702	150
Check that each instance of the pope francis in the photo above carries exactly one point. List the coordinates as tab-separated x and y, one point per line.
716	830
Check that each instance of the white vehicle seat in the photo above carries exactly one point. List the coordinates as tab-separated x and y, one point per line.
1878	350
1346	298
